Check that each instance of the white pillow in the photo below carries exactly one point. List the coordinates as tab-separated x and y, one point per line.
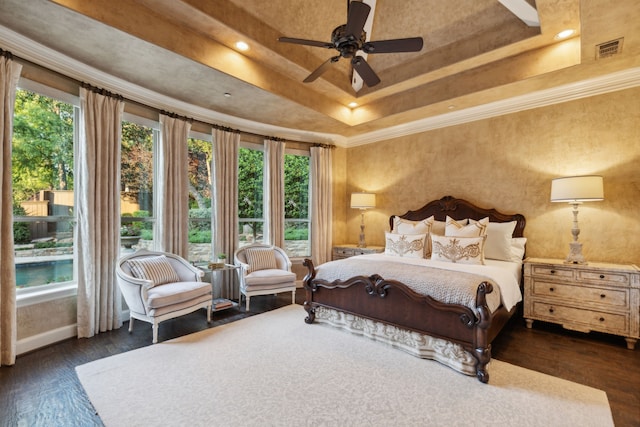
517	248
498	244
439	227
405	226
158	269
462	250
405	245
455	228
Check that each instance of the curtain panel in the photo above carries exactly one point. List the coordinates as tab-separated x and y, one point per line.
171	232
9	75
224	206
274	192
97	237
321	205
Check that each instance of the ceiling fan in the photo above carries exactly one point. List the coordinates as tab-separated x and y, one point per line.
350	38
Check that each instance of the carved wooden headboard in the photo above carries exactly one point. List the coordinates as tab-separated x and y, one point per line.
460	209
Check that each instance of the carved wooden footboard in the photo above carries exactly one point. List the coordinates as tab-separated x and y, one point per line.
395	304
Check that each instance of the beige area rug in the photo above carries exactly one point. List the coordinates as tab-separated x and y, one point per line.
275	370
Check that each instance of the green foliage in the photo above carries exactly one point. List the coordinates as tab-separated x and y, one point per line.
21	232
202	236
52	244
42	156
296	186
200	155
296	234
200	225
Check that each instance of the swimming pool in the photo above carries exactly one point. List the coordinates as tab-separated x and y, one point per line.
40	273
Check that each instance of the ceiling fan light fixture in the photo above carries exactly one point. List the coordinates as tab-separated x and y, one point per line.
240	45
564	34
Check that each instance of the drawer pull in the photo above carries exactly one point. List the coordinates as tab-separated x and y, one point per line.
602	319
603	296
552	272
551	310
602	276
551	289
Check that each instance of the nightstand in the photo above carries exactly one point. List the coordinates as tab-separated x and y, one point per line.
346	251
584	297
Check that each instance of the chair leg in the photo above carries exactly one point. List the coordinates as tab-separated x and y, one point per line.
155	333
247	298
130	324
293	297
209	314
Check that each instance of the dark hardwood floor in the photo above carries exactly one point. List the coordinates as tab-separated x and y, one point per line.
42	389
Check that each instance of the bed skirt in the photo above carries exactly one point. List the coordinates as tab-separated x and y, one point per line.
414	343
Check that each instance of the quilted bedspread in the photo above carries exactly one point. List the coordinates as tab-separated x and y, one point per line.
445	282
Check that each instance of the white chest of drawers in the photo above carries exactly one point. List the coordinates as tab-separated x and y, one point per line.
590	297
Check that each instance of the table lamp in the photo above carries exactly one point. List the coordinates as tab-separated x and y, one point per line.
362	201
576	190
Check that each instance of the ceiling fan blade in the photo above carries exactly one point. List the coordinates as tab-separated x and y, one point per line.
413	44
321	69
365	71
306	42
356	18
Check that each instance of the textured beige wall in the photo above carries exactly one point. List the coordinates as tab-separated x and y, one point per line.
507	163
40	318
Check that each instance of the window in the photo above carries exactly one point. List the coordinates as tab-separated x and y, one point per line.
297	223
136	184
44	137
200	154
250	194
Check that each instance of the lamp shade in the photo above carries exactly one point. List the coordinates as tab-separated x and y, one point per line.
363	200
577	189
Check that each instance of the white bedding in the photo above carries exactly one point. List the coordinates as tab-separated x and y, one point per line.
506	275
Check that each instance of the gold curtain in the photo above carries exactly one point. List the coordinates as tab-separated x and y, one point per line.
97	238
9	75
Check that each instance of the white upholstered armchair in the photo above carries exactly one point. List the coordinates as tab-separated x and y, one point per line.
158	286
264	270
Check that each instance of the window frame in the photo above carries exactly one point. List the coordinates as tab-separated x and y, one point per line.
53	291
154	125
305	153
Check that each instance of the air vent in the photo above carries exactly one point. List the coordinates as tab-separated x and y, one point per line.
610	48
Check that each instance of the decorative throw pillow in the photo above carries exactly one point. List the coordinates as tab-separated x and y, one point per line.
405	245
405	226
462	250
498	244
261	259
158	269
454	228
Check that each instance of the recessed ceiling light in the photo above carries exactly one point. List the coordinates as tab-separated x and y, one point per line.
242	46
352	104
564	34
451	107
227	95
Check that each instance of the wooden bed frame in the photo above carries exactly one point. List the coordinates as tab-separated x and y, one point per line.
393	303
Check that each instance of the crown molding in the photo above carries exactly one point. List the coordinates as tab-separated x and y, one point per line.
620	80
39	54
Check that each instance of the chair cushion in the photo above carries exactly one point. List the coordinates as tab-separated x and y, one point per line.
271	277
158	269
174	293
261	259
